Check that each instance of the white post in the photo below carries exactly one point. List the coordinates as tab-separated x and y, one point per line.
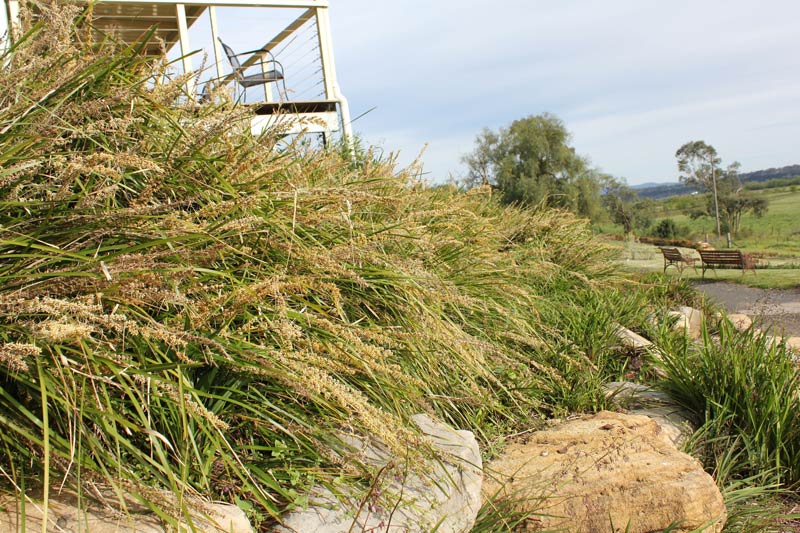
5	32
326	52
267	86
13	23
11	28
212	16
347	127
183	35
332	90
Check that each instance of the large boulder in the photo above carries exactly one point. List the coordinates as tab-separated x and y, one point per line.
639	399
66	513
608	469
442	495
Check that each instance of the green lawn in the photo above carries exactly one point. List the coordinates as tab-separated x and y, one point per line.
638	257
772	278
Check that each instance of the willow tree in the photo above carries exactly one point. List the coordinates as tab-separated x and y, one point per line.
532	162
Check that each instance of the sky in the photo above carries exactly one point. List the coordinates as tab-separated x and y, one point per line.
632	79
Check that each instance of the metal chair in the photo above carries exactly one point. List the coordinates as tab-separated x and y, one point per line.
253	80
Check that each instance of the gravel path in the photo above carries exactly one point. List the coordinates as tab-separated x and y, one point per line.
775	308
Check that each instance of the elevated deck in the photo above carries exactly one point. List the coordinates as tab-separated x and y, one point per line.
131	21
315	116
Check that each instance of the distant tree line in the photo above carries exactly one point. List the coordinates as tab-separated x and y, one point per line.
771	177
774	183
531	162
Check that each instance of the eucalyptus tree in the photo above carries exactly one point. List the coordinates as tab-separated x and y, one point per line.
698	164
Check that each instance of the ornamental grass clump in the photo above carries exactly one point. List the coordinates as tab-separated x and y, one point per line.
185	307
742	387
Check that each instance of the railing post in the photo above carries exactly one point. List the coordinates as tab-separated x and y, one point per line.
326	52
183	35
212	17
12	20
332	90
267	86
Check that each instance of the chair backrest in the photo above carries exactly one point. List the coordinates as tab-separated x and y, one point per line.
722	257
231	57
672	254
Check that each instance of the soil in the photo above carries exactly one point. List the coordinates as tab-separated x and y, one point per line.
777	309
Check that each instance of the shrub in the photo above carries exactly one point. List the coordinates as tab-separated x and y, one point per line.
666	229
743	390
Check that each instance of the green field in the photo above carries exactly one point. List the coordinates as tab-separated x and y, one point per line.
776	235
778	231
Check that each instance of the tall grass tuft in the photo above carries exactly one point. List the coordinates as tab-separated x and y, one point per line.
743	389
184	307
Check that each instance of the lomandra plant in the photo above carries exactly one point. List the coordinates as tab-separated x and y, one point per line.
186	308
743	389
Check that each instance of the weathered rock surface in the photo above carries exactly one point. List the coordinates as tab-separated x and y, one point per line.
586	474
635	395
689	320
447	495
638	399
793	343
740	321
65	515
632	340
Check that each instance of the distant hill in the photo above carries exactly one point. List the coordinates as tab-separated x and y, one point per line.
658	191
790	171
647	185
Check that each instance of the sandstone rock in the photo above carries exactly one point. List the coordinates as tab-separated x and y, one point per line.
65	514
675	422
448	494
586	474
632	340
793	343
740	321
635	395
638	399
689	320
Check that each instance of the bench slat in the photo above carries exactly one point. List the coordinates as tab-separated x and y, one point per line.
712	258
673	257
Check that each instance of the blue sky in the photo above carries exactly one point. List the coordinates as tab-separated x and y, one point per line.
632	79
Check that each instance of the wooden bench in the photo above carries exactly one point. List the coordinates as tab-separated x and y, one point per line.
726	258
673	257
